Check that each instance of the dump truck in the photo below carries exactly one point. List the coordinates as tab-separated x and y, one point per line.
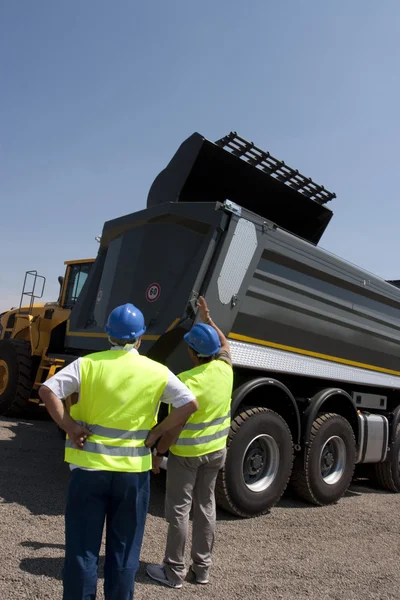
315	340
29	332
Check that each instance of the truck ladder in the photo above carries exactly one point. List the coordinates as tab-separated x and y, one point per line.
32	294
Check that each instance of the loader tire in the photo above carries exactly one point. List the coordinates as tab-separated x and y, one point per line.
323	471
387	474
258	464
15	377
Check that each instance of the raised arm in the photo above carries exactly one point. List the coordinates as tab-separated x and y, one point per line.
205	317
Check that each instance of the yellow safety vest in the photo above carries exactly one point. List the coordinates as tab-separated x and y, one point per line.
119	398
207	429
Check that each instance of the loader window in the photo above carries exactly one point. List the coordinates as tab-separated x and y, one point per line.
76	279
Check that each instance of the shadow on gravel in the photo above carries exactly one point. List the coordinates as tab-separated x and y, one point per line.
43	566
53	566
40	545
32	471
360	487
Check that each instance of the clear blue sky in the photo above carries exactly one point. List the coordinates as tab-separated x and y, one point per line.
97	95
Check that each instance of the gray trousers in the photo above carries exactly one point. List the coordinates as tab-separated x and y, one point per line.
191	482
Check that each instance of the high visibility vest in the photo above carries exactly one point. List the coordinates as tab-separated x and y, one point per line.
207	429
119	398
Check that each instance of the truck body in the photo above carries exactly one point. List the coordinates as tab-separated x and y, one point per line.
315	340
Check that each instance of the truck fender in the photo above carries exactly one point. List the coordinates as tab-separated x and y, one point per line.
316	404
244	390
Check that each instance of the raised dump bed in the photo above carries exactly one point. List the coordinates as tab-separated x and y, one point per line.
235	169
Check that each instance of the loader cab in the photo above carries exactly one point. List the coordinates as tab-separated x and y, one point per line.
71	284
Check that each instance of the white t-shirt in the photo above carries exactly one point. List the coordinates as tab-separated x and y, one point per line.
68	381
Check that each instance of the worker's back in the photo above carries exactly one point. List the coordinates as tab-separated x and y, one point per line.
206	430
122	388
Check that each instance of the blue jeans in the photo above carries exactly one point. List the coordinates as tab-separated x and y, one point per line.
120	499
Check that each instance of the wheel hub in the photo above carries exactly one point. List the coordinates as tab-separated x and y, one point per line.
260	463
4	376
328	460
254	463
333	460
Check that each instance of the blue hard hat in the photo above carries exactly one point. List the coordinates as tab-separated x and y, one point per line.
125	322
203	339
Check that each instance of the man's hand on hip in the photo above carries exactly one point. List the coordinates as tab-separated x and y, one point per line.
78	434
151	439
156	464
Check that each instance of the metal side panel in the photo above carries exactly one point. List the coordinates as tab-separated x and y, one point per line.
237	260
263	358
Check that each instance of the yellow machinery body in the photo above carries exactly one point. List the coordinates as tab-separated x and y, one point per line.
27	335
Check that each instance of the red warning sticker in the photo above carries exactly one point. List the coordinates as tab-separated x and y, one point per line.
153	292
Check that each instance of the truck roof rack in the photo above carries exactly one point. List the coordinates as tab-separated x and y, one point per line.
274	167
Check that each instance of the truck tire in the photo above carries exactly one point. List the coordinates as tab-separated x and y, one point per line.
15	377
258	463
323	472
387	474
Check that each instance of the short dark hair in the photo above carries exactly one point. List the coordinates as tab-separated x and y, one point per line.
117	342
203	359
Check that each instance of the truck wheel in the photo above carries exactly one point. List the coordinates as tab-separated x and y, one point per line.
387	474
15	376
258	463
323	472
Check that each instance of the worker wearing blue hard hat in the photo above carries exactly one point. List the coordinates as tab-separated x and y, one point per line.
119	395
197	453
126	322
204	340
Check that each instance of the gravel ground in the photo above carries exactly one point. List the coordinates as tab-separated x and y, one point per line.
347	551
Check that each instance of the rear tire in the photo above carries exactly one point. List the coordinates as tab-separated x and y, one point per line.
258	464
387	474
323	471
15	377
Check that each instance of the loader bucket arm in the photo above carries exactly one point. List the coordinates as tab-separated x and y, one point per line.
234	169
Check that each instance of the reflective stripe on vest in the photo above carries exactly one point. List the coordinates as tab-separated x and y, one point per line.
111	432
99	448
207	429
203	439
118	402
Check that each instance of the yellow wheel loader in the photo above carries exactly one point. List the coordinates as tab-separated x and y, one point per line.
32	331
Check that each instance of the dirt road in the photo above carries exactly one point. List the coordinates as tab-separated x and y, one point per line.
297	552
